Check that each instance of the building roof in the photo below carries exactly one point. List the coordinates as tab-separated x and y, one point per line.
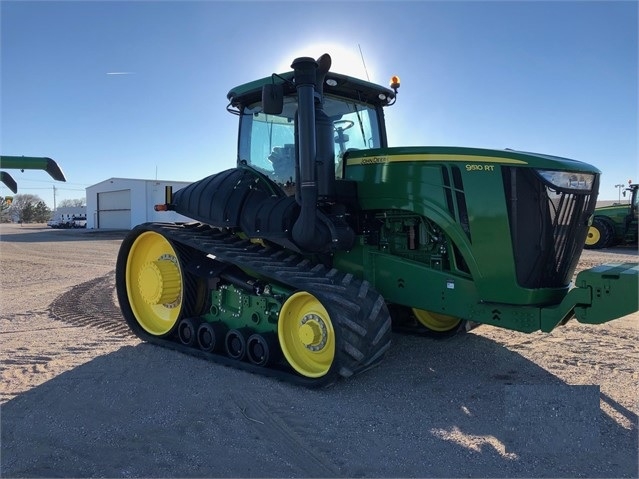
139	180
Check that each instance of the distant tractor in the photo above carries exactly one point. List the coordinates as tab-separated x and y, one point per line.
614	225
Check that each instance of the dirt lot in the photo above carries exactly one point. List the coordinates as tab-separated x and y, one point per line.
81	397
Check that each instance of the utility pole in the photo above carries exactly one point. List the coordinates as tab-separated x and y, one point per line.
54	198
619	187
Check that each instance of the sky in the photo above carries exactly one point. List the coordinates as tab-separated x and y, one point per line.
555	77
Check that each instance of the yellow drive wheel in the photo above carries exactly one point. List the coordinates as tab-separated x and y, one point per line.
601	234
154	283
306	335
594	236
440	323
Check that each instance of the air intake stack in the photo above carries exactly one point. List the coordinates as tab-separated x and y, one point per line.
311	230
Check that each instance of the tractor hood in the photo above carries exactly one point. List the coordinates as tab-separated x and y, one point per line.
466	155
611	210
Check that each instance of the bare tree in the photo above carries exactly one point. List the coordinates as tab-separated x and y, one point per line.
72	202
29	208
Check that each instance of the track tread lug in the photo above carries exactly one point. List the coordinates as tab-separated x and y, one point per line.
332	273
347	279
353	326
386	329
363	289
353	351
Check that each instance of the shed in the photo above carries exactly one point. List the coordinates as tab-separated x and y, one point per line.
123	203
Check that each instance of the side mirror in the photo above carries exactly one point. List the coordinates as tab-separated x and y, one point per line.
272	99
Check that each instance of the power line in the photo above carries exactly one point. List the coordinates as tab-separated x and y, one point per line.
22	180
21	188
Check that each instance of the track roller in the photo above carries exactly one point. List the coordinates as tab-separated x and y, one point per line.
187	331
235	344
209	336
262	350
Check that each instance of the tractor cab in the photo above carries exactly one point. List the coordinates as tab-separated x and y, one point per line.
267	141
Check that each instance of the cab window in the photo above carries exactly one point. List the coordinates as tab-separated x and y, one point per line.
267	142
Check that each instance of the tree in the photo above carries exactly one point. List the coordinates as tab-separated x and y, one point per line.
42	213
72	202
29	208
27	213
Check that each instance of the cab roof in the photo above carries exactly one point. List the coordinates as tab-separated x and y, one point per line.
344	86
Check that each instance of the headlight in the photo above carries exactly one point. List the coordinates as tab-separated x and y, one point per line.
569	180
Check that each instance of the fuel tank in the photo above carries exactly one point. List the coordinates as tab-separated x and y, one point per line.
239	198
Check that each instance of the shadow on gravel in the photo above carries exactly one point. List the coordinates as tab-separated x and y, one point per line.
48	235
431	409
631	250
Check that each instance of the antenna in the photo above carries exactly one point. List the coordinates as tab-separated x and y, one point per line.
363	62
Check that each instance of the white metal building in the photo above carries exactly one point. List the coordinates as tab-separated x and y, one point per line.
123	203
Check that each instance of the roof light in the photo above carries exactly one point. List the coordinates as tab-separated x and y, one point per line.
331	82
394	83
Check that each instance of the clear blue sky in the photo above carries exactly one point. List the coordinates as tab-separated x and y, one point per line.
554	77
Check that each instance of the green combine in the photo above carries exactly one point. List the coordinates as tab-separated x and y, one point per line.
28	163
301	260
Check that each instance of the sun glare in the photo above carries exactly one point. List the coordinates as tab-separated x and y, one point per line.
346	60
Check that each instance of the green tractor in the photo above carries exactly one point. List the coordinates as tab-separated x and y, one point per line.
616	224
302	260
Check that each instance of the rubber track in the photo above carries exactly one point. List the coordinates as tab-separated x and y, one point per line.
358	312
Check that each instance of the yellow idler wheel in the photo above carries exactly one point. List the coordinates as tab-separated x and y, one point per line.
440	323
306	335
154	283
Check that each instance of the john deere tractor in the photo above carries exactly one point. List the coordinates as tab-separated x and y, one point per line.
301	260
616	224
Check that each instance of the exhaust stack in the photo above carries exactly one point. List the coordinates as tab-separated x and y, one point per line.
309	232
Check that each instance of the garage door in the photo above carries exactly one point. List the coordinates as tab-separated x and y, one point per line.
114	210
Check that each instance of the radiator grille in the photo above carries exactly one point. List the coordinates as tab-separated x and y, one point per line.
548	227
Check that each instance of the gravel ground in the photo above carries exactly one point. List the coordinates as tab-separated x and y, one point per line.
81	397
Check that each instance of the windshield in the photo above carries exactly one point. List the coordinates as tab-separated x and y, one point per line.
267	142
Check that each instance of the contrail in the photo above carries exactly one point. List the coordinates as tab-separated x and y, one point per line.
120	73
